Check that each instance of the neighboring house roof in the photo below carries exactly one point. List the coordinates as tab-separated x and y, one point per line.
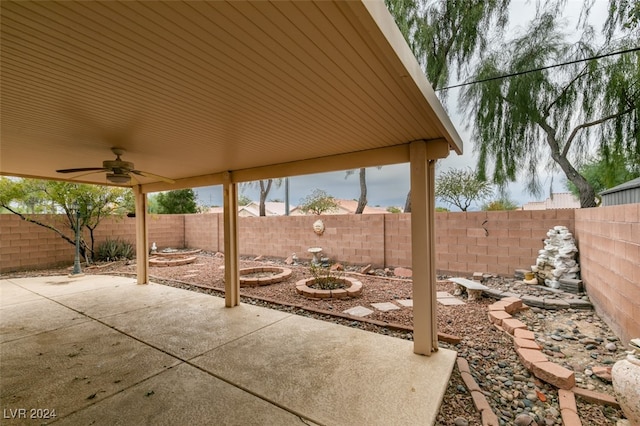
634	183
345	207
561	200
626	193
252	209
272	208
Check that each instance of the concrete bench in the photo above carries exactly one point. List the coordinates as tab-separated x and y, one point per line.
473	288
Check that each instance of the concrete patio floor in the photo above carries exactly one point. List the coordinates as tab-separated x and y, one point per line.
104	350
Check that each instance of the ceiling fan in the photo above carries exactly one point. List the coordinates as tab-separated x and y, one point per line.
118	171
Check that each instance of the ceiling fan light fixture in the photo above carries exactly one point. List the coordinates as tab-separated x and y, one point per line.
118	178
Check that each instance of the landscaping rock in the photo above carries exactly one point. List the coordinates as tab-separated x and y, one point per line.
603	373
365	269
403	272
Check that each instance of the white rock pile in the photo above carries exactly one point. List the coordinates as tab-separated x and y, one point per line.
558	258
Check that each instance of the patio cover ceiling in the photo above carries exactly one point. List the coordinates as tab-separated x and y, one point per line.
192	90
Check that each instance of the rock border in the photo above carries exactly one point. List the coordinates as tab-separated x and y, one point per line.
281	274
531	356
154	261
548	303
354	289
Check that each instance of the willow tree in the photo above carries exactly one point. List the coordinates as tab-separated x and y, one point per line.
554	117
445	36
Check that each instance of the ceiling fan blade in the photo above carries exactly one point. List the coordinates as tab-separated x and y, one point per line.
151	175
90	173
83	169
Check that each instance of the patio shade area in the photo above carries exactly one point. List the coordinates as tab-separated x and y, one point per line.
195	89
220	93
103	349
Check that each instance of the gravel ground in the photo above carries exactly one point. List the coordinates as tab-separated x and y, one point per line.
578	340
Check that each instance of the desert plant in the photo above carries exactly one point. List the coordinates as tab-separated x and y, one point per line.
325	278
114	249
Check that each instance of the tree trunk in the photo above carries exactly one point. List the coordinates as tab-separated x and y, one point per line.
587	193
264	191
407	203
362	202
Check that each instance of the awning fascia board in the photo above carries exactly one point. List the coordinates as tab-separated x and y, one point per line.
353	160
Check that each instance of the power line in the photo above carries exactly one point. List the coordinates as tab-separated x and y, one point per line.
498	77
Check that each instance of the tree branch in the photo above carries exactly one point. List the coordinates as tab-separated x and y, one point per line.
563	91
27	219
573	134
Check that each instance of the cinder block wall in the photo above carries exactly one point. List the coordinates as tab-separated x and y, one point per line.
202	231
25	245
495	242
166	230
354	239
609	244
397	240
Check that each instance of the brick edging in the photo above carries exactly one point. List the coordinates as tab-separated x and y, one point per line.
489	418
531	356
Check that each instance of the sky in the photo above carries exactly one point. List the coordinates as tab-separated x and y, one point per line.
389	185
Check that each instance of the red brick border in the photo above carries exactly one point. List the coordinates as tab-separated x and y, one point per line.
531	356
281	274
154	261
354	289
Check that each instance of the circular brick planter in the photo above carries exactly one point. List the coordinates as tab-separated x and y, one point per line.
171	262
353	289
274	275
177	253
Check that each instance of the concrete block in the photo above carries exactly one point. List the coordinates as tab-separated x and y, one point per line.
480	401
524	334
463	365
498	306
511	324
493	293
497	317
529	357
489	418
595	397
570	418
567	400
515	303
579	304
555	374
533	301
525	344
470	382
555	304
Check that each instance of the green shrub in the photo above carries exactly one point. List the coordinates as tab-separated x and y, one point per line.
117	249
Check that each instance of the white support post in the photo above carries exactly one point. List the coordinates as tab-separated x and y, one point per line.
423	157
142	236
231	254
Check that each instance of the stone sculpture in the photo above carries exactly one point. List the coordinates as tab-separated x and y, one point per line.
558	258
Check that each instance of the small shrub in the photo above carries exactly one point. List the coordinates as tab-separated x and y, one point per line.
324	278
111	250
